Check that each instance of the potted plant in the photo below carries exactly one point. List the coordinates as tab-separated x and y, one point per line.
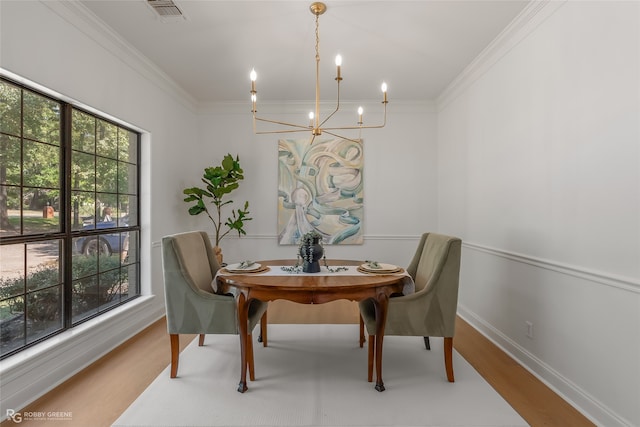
219	182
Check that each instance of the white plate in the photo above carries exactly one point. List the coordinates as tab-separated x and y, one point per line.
383	267
235	268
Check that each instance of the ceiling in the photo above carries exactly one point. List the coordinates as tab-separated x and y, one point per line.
416	47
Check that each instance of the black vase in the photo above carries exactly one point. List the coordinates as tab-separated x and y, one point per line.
313	251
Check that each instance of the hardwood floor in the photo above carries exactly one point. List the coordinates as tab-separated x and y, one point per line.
101	392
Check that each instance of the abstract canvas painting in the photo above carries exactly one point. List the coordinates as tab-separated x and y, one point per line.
320	187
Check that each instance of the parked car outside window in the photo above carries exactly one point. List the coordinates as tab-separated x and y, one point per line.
104	244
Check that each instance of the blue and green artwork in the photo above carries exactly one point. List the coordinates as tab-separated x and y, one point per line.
320	187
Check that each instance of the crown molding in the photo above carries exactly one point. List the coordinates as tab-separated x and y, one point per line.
83	19
88	23
534	14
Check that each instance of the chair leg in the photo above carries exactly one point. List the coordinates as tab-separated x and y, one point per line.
263	330
252	375
372	346
175	353
427	344
201	340
448	358
362	338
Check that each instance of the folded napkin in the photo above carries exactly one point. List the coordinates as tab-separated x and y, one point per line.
244	264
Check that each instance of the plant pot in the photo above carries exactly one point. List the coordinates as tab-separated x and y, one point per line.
311	254
218	253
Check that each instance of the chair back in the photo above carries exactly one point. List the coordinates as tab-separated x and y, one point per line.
436	254
435	269
189	266
196	258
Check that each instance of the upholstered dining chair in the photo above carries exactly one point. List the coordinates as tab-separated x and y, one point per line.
189	266
431	310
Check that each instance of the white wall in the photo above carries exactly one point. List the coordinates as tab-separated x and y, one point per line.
59	47
399	173
539	173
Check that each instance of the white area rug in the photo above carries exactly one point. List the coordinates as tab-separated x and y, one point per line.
316	375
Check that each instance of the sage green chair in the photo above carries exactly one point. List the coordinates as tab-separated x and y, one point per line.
189	266
431	310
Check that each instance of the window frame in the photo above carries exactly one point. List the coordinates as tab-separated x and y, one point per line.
65	234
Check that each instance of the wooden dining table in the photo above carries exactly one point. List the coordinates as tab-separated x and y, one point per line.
316	288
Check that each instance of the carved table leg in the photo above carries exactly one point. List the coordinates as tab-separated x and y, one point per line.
243	322
371	357
252	375
381	303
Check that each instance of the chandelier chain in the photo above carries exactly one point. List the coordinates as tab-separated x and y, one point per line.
317	40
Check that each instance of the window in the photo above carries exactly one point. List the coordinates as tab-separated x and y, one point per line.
69	217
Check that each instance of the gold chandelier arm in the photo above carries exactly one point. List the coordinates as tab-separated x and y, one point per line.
343	137
384	122
326	130
299	127
264	132
337	105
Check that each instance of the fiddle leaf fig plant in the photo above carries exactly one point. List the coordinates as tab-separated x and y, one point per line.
219	182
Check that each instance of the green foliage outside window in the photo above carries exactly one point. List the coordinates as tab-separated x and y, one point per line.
44	300
44	276
100	165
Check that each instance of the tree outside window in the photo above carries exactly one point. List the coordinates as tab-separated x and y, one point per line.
69	233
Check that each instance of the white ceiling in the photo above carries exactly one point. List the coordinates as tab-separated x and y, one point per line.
417	47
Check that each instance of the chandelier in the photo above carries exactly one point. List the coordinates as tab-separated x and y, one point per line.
316	125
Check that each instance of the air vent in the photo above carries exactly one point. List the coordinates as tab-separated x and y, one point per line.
166	9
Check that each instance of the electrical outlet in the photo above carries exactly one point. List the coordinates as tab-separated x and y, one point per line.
529	329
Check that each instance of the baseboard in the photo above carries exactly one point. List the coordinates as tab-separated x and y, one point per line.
33	372
582	401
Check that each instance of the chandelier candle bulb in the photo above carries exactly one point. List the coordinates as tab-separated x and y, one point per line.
253	76
384	92
360	111
338	64
311	116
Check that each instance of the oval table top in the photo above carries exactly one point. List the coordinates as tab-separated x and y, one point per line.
325	281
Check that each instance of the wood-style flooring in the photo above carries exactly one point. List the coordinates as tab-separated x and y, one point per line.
101	392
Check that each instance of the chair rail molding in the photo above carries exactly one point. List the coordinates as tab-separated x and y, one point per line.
274	237
624	283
